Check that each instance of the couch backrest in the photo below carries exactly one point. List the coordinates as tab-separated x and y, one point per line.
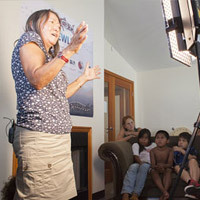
173	140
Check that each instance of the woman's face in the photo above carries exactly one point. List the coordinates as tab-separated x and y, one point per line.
144	140
129	124
50	31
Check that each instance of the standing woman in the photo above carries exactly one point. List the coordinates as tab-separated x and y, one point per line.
42	142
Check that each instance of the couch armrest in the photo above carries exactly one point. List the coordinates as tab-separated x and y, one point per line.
120	154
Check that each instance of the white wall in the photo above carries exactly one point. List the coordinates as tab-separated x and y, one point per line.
92	11
115	63
165	98
7	98
168	98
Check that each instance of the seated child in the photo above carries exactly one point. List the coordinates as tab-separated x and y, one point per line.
137	172
161	163
191	171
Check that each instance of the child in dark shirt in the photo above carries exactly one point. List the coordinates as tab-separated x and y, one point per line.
191	171
161	163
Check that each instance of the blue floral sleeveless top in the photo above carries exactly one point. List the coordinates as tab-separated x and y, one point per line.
45	110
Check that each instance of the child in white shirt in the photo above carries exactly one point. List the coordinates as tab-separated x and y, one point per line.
136	175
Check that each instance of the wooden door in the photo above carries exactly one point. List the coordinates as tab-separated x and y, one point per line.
118	102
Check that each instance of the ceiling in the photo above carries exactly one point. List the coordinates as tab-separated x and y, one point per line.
135	28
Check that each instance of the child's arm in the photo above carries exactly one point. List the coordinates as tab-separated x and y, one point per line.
137	159
179	149
153	159
136	153
191	157
169	163
154	164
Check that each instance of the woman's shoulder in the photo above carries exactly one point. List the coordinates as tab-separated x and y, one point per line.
31	36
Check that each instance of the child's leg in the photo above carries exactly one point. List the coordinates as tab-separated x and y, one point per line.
130	178
141	178
165	196
184	175
194	187
167	182
194	170
125	196
157	180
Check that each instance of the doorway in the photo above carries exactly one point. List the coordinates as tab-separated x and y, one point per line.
118	102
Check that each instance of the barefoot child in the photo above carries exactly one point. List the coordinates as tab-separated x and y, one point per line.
137	172
161	163
191	172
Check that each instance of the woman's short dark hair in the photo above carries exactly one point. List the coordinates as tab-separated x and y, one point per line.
34	21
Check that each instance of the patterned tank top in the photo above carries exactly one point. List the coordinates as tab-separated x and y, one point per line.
45	110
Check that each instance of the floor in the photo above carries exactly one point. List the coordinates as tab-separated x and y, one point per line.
109	191
109	194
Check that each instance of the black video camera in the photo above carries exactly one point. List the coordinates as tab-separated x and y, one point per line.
11	132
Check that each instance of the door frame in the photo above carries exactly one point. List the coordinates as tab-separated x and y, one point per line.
113	80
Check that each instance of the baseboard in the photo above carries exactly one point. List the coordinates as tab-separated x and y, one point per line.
98	195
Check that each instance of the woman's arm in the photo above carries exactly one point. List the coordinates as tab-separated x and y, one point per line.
33	59
88	75
134	133
36	70
121	134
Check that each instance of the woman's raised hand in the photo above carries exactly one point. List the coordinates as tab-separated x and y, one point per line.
91	73
77	40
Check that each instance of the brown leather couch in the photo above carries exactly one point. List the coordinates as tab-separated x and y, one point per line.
119	153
